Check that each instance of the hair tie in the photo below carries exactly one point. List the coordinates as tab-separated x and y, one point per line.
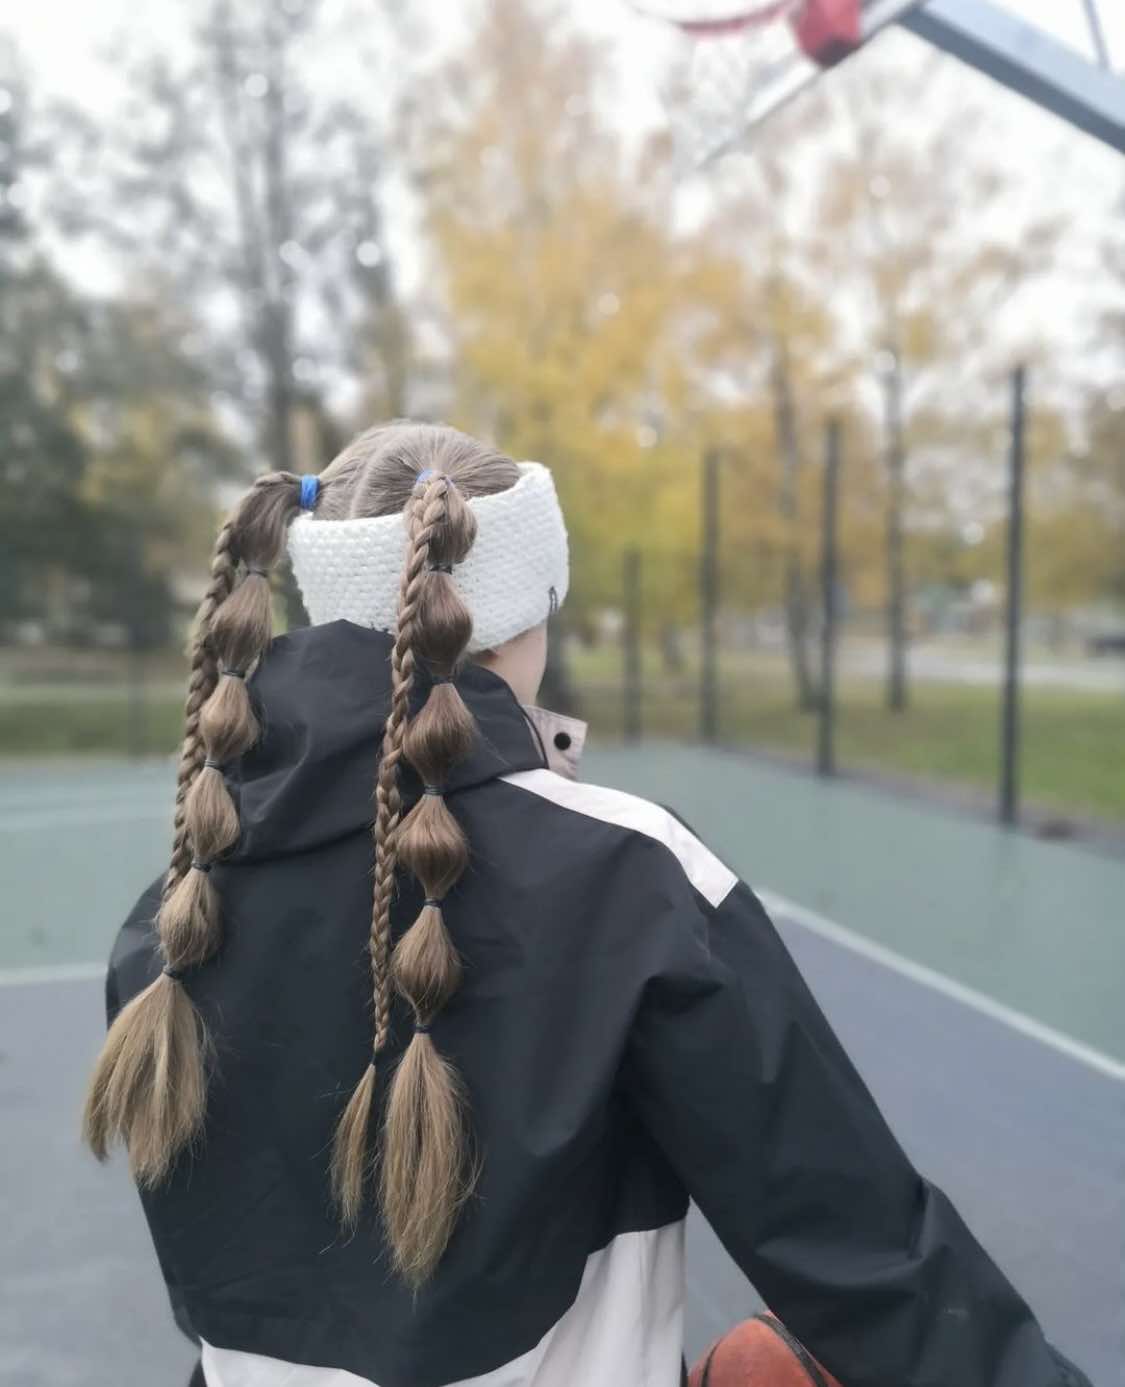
434	901
176	974
429	474
442	679
310	489
439	568
257	572
422	1028
433	790
199	866
231	672
210	764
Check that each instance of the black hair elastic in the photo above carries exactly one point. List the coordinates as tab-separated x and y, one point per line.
422	1028
433	790
442	679
432	900
210	764
199	866
231	672
439	568
258	572
176	974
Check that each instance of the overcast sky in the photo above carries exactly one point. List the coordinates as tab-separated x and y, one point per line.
62	38
74	49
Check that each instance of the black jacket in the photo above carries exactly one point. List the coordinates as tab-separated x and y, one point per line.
632	1033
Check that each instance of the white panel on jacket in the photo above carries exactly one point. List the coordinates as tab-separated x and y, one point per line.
625	1326
711	878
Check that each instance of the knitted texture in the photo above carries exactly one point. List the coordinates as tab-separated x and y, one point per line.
515	575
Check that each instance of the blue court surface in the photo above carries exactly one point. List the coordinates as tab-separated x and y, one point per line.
976	977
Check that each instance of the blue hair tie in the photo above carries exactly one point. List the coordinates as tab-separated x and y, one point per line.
310	488
428	474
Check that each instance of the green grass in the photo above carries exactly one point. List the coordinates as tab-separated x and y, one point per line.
54	724
1073	743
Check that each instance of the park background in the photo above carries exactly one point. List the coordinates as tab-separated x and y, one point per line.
232	235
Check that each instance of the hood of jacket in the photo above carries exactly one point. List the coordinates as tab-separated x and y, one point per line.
322	694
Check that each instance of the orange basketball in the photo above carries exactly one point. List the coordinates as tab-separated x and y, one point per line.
759	1353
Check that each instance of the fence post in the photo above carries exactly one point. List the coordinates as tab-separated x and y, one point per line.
896	574
631	633
1009	808
136	729
709	600
829	565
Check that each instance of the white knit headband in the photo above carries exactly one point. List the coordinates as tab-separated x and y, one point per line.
515	575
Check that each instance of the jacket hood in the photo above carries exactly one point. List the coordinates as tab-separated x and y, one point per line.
322	695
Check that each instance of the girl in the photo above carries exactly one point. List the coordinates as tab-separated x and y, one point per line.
421	1046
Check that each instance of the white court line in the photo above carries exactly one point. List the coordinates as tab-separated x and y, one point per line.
51	972
43	802
83	818
940	982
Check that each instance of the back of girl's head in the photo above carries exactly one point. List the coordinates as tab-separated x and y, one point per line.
148	1089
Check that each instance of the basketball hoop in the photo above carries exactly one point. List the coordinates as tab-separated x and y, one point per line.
734	51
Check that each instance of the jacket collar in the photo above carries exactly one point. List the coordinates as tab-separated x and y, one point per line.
561	738
322	695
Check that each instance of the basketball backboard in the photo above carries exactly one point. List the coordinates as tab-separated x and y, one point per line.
1066	55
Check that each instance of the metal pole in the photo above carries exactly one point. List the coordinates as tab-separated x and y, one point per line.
135	612
1010	710
632	688
1097	34
829	576
896	576
709	600
136	733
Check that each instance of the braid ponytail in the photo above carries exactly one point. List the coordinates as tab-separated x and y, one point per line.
201	684
149	1085
426	1171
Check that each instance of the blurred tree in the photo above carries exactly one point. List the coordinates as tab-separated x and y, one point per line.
1100	471
108	443
783	346
1076	512
1074	516
154	455
907	215
254	190
581	326
43	522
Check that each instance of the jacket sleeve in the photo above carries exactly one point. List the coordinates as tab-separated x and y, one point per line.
738	1076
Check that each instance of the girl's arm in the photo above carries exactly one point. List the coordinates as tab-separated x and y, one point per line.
737	1074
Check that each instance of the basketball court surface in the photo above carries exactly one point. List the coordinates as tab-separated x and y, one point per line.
974	975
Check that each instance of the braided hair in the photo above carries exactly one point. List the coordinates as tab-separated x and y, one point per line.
148	1089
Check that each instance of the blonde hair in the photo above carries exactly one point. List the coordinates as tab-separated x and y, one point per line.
149	1085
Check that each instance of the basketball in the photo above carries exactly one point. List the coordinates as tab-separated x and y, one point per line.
759	1353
